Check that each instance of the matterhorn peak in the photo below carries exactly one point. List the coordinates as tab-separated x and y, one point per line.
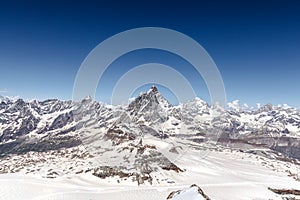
150	102
153	89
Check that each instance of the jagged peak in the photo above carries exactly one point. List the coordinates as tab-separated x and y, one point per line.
266	108
153	89
152	99
198	100
87	99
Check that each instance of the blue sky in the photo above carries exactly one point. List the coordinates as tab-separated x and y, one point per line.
255	44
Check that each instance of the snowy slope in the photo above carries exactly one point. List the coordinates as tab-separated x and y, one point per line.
221	174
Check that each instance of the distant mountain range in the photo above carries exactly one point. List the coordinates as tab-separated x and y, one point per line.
142	140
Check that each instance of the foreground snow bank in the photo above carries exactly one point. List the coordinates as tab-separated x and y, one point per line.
192	193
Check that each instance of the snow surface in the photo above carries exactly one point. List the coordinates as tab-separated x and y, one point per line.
221	175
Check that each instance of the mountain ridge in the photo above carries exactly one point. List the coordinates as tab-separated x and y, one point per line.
143	140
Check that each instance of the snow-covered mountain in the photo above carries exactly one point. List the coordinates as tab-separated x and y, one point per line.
144	143
3	99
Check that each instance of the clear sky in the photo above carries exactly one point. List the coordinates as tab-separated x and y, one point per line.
255	44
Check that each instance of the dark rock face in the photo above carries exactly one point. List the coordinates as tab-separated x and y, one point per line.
20	119
118	136
288	146
61	121
23	119
105	172
21	146
285	191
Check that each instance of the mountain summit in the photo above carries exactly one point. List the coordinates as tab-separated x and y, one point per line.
150	105
153	89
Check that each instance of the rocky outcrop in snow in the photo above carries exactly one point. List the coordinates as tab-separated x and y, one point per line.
192	193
